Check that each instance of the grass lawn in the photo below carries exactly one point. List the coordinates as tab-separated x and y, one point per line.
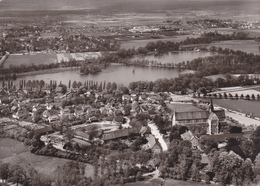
10	147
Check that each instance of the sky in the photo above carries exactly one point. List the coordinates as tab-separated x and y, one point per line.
7	5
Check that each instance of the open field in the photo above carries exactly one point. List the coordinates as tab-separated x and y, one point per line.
47	58
28	59
243	106
10	147
16	153
251	107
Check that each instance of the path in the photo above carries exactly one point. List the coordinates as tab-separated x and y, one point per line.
155	131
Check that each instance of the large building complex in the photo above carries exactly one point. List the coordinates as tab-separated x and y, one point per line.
189	115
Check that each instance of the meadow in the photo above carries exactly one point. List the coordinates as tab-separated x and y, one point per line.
243	106
16	153
47	58
28	59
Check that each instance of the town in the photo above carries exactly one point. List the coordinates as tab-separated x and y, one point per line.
129	93
82	120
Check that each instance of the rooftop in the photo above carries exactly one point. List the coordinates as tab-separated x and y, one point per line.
183	107
192	115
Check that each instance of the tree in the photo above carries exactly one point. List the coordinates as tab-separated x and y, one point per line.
208	143
63	88
127	109
235	129
5	171
125	90
113	86
255	137
19	175
69	134
257	168
227	167
247	172
41	83
174	134
93	132
79	84
74	84
69	84
37	179
109	86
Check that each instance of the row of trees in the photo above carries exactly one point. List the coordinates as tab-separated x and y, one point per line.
234	62
230	96
195	82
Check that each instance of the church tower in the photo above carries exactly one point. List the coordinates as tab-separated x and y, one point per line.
213	120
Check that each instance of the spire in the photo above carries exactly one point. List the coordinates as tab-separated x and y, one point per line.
211	106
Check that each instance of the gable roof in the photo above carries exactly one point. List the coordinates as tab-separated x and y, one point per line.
220	113
213	116
191	115
151	141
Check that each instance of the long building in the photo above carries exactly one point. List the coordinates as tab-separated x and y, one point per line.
189	115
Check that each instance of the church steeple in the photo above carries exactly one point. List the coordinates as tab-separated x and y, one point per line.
211	106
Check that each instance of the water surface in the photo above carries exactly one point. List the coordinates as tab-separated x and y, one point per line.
115	73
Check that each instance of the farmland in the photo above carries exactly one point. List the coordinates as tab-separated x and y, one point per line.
47	58
243	106
249	107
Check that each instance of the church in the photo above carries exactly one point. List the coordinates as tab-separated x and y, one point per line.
191	116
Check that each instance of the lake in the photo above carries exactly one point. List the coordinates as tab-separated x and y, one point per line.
249	46
176	57
143	42
115	73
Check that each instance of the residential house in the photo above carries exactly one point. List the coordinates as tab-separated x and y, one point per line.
21	114
152	144
189	136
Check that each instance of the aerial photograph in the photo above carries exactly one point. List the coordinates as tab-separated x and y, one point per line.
129	92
